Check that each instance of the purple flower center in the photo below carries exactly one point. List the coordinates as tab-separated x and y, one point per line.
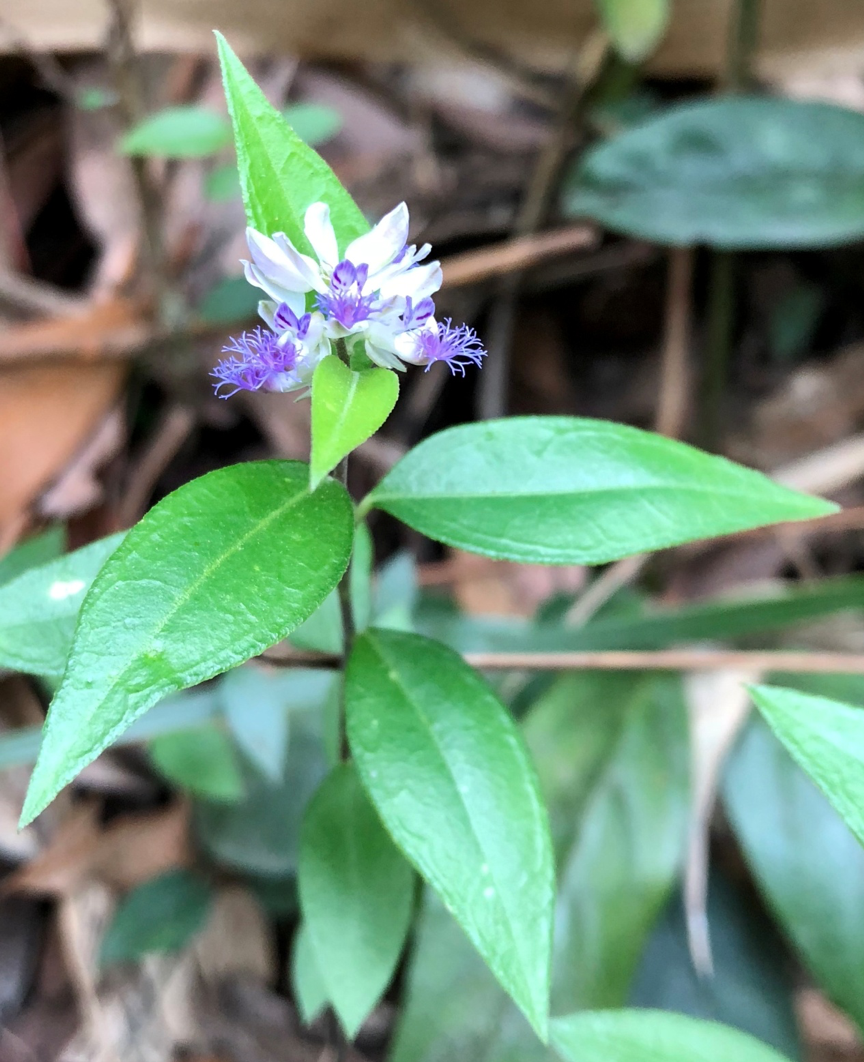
258	359
345	301
286	320
458	347
415	316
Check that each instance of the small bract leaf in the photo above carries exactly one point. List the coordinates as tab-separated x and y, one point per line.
567	490
202	761
356	892
635	26
184	132
655	1035
826	739
280	175
216	572
306	980
161	915
745	173
451	779
39	609
347	407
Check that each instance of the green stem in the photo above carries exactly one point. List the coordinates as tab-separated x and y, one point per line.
340	473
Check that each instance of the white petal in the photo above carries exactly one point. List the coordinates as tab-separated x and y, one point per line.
281	262
319	232
296	300
419	282
408	349
267	312
379	247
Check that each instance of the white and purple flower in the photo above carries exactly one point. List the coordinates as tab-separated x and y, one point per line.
378	294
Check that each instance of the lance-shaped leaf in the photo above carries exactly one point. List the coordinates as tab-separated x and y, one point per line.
39	609
567	490
356	891
653	1036
347	407
216	572
824	737
280	175
451	779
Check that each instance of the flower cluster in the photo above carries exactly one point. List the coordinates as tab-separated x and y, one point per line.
378	295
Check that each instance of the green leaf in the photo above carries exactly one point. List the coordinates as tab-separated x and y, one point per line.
261	833
448	772
826	739
356	893
184	132
279	174
600	742
736	173
347	407
256	704
222	183
454	1009
216	572
567	490
34	552
201	761
307	983
653	1036
635	26
39	609
314	123
751	983
807	863
161	915
396	592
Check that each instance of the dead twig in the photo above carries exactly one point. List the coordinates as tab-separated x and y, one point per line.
172	432
513	255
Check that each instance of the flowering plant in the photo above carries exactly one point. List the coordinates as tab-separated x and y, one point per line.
430	773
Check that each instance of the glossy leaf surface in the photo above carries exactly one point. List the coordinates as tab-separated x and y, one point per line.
451	779
39	609
280	175
216	572
347	407
653	1036
161	915
807	863
567	490
738	172
356	892
826	739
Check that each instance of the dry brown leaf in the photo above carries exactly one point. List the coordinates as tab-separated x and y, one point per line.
237	939
795	33
718	705
78	488
129	851
105	329
47	412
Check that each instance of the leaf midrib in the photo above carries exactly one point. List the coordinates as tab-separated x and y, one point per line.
396	679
